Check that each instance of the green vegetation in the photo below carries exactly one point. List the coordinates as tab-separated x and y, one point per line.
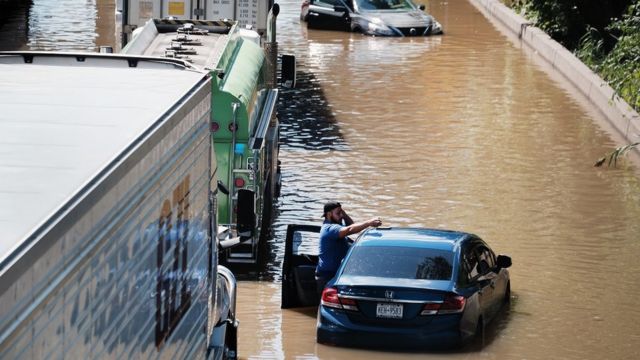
612	157
605	35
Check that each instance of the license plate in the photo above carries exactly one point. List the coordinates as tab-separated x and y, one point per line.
390	311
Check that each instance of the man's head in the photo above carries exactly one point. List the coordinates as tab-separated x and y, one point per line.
333	211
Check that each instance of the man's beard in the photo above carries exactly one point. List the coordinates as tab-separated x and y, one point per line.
337	220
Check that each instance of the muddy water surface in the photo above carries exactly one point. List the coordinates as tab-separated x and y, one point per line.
464	131
57	25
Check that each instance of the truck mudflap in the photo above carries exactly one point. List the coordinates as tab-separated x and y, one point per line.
298	267
223	343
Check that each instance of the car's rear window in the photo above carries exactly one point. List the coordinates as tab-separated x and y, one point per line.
400	262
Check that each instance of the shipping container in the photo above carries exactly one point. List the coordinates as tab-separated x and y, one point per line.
108	181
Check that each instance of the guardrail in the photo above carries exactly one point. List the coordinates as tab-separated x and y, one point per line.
619	114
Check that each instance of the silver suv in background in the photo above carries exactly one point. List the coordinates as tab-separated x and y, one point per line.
371	17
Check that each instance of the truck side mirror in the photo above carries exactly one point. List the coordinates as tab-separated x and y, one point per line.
223	188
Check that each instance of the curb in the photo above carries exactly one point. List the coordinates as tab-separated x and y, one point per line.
622	116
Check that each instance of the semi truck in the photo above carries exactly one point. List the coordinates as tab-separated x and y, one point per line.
131	14
108	185
244	126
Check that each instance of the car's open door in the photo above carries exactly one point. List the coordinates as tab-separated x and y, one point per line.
298	267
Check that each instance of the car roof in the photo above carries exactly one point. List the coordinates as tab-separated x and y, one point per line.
413	237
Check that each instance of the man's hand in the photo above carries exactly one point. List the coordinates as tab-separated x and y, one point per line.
346	218
375	222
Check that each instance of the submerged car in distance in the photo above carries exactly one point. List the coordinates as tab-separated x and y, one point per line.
371	17
407	288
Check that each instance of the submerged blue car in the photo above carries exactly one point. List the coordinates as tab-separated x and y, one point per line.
407	288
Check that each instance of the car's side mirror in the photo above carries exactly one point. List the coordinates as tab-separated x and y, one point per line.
503	261
421	7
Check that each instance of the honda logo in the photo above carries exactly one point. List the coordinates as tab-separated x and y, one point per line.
388	294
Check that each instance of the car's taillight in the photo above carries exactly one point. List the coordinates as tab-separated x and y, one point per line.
430	309
330	298
450	305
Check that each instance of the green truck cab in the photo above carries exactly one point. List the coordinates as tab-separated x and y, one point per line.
244	129
245	136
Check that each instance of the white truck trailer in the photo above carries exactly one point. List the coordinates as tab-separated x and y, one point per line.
107	211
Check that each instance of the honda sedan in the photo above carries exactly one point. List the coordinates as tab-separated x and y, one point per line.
407	287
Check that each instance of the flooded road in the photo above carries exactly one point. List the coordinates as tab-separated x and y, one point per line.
464	131
58	25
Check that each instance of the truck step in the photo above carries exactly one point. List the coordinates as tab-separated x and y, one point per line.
241	261
240	255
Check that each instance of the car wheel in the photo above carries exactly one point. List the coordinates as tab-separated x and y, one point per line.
507	294
479	338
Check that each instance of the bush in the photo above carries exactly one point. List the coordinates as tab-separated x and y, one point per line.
621	66
605	35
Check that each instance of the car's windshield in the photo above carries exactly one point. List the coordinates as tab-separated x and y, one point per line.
399	262
384	4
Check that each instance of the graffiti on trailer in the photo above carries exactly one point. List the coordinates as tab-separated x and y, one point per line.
173	296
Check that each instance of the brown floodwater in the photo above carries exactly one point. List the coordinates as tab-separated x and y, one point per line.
57	25
464	131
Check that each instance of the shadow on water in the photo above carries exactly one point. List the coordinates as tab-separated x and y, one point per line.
311	312
306	122
306	119
14	24
500	323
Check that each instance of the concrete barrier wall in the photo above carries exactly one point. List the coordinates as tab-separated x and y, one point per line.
597	91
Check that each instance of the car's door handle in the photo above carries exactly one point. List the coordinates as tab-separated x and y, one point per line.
313	14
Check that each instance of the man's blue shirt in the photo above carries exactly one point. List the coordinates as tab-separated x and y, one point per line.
332	248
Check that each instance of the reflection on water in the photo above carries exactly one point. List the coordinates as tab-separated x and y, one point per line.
46	32
14	27
58	25
314	126
463	131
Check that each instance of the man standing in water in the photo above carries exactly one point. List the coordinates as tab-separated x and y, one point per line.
334	244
